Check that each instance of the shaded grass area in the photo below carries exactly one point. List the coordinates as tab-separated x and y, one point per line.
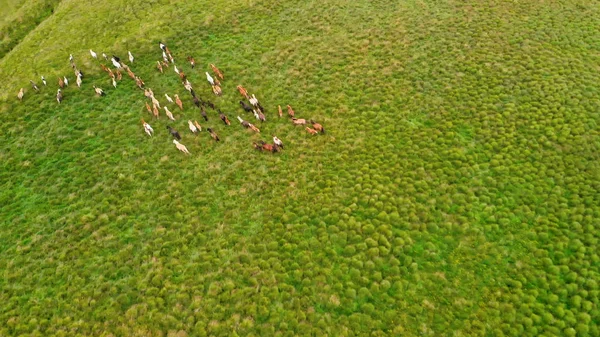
17	20
455	192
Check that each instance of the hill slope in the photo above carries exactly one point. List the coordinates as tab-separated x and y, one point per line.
455	192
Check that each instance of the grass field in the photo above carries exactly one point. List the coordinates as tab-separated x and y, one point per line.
456	191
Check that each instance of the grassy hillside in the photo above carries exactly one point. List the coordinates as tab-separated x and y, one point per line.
455	192
18	18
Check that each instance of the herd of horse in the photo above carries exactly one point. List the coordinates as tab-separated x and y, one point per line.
250	104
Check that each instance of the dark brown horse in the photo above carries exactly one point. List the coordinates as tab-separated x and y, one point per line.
224	118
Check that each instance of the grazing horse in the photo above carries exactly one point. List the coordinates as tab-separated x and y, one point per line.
169	53
216	70
178	102
192	61
213	134
155	101
174	133
242	91
139	82
181	147
193	127
312	131
203	113
197	125
253	100
262	146
155	111
277	142
317	126
290	111
298	121
168	113
130	73
116	62
244	123
159	66
99	91
188	87
261	116
148	107
248	125
210	79
224	119
147	128
59	96
245	106
61	83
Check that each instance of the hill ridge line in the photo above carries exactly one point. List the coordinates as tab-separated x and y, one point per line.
47	10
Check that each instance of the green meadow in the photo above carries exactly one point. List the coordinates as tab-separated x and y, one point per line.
456	191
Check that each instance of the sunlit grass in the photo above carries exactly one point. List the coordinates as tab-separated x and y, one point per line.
454	193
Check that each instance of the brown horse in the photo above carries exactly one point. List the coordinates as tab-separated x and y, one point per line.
242	91
311	131
317	126
178	102
217	71
192	61
139	83
130	73
262	146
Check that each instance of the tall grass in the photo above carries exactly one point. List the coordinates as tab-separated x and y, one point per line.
454	193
